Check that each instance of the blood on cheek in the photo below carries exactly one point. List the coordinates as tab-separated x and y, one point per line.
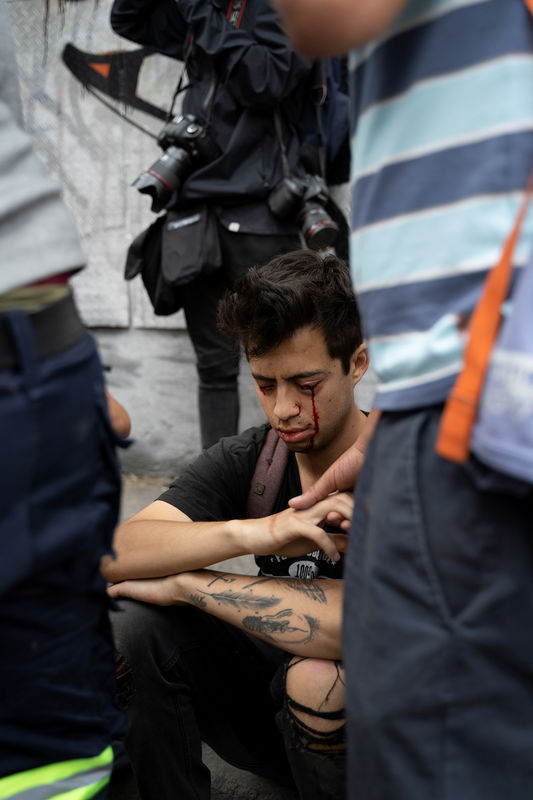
315	419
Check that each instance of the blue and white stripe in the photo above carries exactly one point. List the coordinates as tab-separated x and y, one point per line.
441	153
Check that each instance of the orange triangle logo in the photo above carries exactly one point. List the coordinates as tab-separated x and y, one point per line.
103	69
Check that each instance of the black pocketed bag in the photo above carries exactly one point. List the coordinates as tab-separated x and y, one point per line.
173	251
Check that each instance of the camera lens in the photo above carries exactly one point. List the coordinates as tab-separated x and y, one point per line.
164	176
317	227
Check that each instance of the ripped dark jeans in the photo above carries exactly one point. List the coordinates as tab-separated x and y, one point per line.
186	677
315	738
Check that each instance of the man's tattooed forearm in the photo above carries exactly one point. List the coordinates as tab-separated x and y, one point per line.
258	582
225	578
198	600
310	588
242	599
283	627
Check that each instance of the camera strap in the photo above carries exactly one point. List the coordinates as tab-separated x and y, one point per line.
180	88
234	15
235	12
319	93
279	133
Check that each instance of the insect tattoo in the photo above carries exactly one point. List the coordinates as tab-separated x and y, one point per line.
279	627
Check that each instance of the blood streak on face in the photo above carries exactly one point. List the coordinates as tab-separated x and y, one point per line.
315	419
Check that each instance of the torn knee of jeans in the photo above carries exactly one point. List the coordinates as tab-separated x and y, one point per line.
319	726
329	737
124	681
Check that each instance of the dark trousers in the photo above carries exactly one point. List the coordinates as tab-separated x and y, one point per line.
437	627
186	677
59	498
217	356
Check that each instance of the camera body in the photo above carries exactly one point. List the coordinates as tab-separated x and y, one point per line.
303	199
186	146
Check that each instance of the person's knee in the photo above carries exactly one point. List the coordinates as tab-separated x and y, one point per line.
222	377
133	624
142	639
315	702
217	362
150	637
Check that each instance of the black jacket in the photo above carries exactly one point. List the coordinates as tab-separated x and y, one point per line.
257	70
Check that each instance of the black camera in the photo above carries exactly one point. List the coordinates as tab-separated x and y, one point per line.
187	146
303	199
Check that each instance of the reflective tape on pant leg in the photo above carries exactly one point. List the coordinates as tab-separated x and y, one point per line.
77	779
62	790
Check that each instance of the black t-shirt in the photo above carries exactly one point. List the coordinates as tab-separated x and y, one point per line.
216	487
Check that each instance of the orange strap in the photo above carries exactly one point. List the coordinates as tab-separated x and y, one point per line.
461	407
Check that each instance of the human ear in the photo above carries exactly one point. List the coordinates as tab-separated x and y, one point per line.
359	363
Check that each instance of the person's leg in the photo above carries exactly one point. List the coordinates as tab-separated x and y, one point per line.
312	723
186	677
217	359
59	505
217	356
240	251
438	597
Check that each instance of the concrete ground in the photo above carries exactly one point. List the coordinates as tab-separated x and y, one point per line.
228	783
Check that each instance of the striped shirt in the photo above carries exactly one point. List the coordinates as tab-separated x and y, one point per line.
442	147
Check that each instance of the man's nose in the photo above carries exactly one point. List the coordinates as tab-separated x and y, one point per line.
286	406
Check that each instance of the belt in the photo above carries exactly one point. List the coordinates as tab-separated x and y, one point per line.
56	327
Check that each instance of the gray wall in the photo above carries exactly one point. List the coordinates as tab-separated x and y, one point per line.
95	155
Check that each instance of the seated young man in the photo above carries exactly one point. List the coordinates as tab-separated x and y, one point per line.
200	652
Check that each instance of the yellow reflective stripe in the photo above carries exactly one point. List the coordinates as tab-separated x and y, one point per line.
51	773
83	785
84	792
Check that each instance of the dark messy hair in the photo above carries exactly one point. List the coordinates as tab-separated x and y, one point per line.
269	304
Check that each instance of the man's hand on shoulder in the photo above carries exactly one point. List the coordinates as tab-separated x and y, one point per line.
341	476
343	473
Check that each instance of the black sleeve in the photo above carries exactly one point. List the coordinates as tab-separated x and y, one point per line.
258	66
153	23
216	485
